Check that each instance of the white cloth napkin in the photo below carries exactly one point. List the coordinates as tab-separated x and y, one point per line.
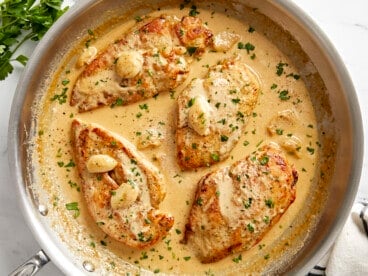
349	254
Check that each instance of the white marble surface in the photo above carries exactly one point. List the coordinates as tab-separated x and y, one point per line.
344	22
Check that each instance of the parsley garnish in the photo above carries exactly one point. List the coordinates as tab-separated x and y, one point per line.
27	19
199	201
264	160
235	101
61	98
215	157
310	150
279	131
248	203
284	95
237	259
224	138
138	18
193	11
250	227
247	46
251	29
280	68
73	206
274	86
191	102
118	102
191	50
269	203
266	219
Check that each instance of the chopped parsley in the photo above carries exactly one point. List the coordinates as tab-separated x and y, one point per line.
247	46
199	201
61	98
250	227
269	203
193	11
191	102
65	82
273	86
224	138
191	50
143	106
264	160
310	150
279	131
215	157
295	76
284	95
73	206
235	101
237	259
138	18
280	68
142	238
118	102
70	164
248	203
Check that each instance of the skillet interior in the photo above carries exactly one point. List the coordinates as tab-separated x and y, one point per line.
331	92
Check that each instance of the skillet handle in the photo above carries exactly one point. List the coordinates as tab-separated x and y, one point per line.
32	266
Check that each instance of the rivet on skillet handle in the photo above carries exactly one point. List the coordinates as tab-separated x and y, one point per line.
32	266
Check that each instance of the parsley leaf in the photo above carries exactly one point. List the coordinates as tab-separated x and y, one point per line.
20	21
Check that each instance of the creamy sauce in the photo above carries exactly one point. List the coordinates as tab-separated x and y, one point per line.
60	179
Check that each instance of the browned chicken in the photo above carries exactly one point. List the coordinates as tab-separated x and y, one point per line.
213	112
236	206
122	189
152	57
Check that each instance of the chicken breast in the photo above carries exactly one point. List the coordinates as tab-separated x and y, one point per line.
122	189
236	206
151	58
213	112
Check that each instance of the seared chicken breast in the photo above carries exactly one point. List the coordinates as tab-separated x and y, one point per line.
213	112
151	58
234	207
122	189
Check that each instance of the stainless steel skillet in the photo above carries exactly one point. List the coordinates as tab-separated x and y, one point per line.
337	106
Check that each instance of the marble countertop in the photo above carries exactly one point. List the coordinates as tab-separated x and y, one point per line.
344	22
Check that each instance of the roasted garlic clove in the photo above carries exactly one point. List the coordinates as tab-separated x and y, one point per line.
124	196
101	163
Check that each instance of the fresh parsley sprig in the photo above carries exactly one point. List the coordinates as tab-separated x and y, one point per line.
22	20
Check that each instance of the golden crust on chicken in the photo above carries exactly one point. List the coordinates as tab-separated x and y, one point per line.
213	112
234	207
122	189
151	58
